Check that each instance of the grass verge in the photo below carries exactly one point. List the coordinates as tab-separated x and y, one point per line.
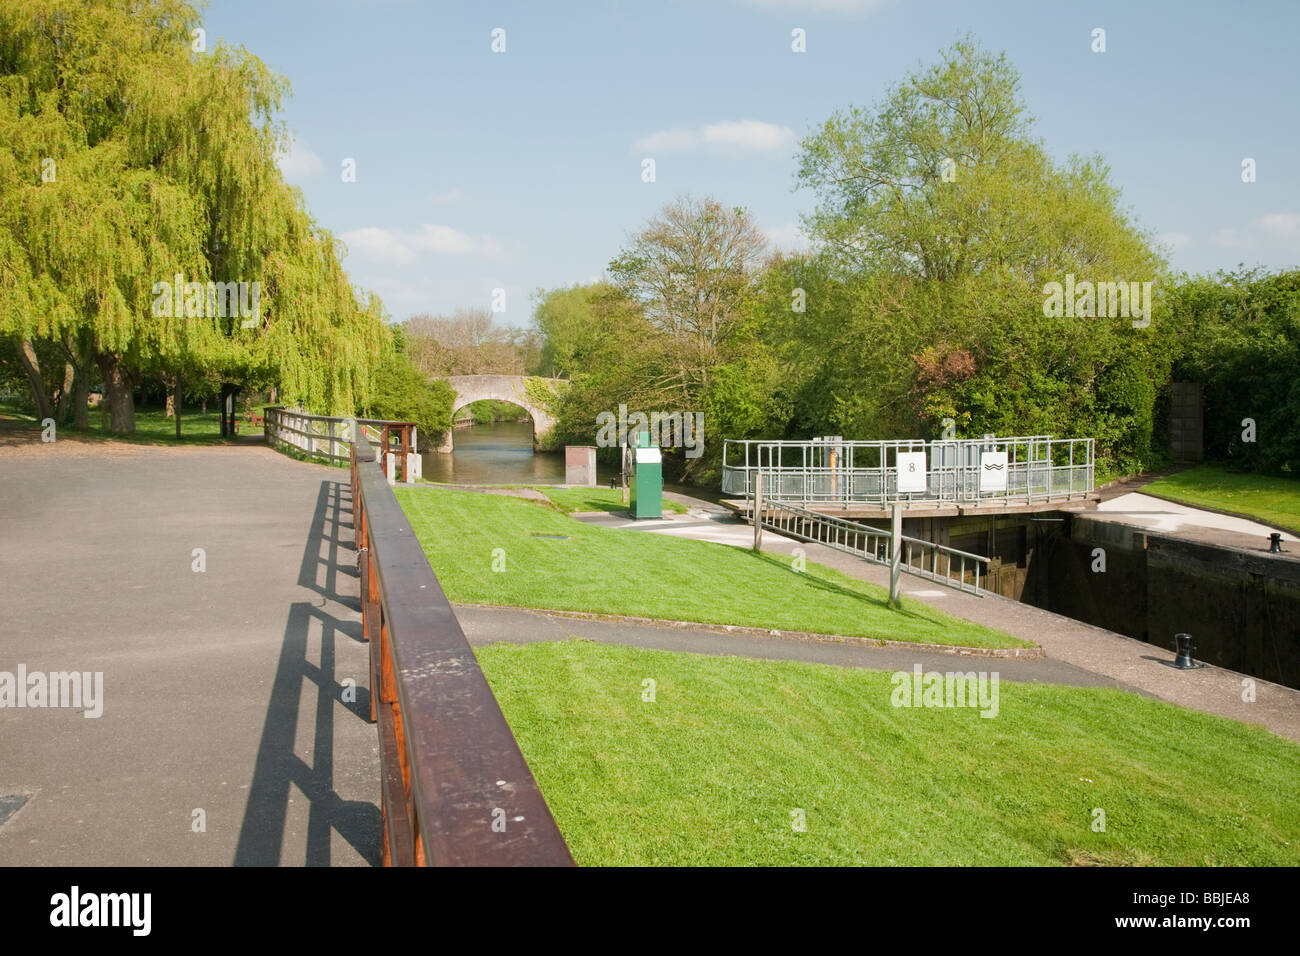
569	500
1269	499
152	427
713	771
613	571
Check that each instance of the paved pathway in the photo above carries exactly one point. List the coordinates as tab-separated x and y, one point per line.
1183	521
1135	664
485	625
222	690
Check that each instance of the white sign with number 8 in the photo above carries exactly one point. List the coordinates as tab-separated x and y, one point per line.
910	469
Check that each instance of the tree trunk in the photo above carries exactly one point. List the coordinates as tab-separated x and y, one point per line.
118	395
81	397
171	396
176	402
41	398
65	394
81	356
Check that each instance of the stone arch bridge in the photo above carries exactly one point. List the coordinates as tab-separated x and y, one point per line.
504	388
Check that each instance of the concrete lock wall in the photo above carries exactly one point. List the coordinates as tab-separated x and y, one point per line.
1241	607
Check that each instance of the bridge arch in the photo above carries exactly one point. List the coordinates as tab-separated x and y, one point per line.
503	388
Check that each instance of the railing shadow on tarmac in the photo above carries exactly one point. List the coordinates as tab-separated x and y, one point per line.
279	769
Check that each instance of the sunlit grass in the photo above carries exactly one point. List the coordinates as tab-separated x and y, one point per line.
152	426
570	500
713	770
1270	499
634	573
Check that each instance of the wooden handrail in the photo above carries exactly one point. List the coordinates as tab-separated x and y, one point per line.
456	789
277	426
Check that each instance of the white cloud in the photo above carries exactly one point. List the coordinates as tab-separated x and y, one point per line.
1231	239
450	196
1281	225
1272	232
378	244
402	248
727	136
1174	240
413	291
299	162
789	237
432	238
749	136
667	140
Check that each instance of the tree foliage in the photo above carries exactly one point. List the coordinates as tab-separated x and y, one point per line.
469	342
939	220
1240	338
127	159
401	392
943	179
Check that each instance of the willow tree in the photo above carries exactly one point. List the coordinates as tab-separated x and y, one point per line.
144	184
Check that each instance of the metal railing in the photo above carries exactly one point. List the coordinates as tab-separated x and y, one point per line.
325	436
456	789
832	471
939	563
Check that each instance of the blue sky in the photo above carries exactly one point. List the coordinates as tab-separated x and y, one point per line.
478	170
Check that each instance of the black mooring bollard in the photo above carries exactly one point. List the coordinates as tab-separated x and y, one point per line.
1185	647
1275	543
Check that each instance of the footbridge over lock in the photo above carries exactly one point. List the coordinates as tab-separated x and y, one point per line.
942	478
521	390
838	493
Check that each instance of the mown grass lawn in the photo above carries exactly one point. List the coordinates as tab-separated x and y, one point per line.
570	500
1270	499
713	771
16	414
152	426
649	575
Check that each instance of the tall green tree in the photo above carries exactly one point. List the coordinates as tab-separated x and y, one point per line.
692	269
943	179
945	220
1239	337
132	157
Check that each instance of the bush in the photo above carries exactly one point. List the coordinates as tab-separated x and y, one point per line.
1242	334
401	393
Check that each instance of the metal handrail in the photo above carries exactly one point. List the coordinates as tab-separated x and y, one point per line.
830	471
843	535
456	788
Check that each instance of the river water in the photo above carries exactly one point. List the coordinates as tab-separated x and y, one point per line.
497	453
